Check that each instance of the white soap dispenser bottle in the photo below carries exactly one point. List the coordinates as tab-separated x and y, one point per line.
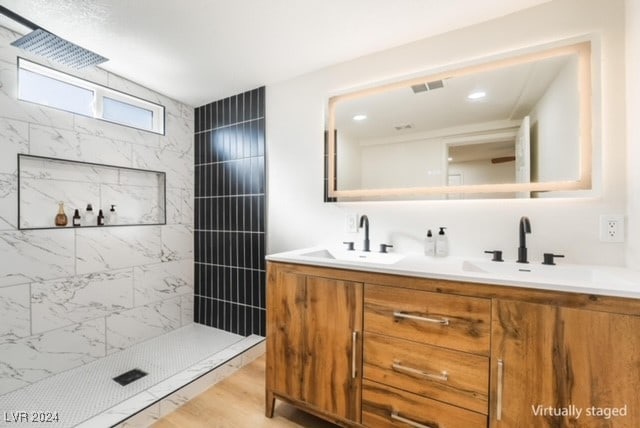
429	244
442	244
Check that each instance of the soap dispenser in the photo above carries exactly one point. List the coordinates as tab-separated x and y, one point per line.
429	244
61	217
89	216
113	216
442	243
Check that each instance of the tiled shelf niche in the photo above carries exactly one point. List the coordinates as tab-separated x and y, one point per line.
139	195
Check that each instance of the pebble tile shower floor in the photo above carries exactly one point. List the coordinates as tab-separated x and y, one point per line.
80	394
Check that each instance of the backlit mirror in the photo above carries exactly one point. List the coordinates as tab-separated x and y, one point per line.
512	128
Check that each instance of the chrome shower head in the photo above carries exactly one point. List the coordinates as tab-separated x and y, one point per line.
48	45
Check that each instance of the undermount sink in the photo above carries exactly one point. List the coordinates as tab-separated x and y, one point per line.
537	271
355	256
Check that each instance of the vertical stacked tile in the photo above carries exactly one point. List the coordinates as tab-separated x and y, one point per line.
230	213
68	297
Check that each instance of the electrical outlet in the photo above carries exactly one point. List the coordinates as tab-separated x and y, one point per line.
611	228
351	223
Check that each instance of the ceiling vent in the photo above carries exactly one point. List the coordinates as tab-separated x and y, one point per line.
403	126
429	86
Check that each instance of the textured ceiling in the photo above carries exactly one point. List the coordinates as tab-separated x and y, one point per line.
197	51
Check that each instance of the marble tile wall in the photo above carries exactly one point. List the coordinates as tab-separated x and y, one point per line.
70	296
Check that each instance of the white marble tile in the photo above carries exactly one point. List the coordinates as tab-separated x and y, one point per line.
186	307
134	204
187	206
65	144
35	255
67	301
14	135
140	178
178	166
12	108
143	419
179	134
174	202
101	249
177	242
39	200
7	52
100	128
192	390
14	312
121	411
188	113
135	325
47	169
8	202
253	353
31	359
162	281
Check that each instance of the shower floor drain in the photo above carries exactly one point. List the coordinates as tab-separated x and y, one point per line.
130	376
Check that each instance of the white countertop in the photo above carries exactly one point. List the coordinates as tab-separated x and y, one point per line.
588	279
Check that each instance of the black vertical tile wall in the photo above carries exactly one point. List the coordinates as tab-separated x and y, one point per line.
230	214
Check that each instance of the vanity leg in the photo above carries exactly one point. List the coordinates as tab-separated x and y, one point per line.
270	402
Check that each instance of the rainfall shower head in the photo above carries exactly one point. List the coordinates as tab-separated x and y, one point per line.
48	45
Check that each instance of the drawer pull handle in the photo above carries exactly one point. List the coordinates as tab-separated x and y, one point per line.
500	387
396	366
395	416
442	321
354	345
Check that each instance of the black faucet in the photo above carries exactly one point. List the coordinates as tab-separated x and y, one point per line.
364	220
525	227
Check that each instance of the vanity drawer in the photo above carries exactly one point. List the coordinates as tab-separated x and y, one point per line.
384	406
454	377
456	322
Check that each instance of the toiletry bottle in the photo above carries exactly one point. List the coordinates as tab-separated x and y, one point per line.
89	216
442	244
61	217
429	244
76	218
113	216
100	218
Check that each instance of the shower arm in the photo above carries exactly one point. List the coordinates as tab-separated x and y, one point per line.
19	19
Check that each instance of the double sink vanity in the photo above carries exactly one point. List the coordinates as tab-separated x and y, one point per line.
393	340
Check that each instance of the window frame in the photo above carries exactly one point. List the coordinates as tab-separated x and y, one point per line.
99	93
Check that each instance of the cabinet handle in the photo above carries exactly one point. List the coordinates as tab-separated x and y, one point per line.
395	416
397	366
443	321
354	345
500	386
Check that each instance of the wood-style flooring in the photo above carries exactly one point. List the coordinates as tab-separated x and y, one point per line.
238	402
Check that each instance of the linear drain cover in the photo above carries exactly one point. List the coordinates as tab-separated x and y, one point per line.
130	376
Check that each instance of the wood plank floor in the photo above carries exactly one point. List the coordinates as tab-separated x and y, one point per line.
238	402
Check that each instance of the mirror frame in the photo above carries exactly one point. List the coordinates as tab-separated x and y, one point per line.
582	49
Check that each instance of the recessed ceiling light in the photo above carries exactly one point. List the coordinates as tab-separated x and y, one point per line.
359	117
476	95
450	159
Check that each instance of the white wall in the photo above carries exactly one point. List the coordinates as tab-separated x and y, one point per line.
633	130
558	125
70	296
295	126
415	163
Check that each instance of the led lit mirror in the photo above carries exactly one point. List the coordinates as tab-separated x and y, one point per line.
512	128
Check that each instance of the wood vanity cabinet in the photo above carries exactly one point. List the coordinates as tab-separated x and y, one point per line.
314	357
381	350
572	360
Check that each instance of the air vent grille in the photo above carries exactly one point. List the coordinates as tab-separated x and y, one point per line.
429	86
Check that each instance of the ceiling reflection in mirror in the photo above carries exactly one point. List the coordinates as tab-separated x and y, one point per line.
503	130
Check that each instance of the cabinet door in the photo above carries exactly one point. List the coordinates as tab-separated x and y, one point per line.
556	367
333	330
285	333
